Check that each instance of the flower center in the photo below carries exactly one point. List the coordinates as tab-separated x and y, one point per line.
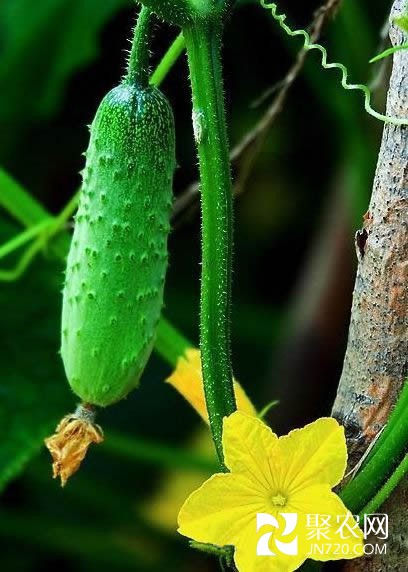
278	500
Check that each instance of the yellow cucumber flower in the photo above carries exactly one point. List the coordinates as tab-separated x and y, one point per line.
187	379
276	506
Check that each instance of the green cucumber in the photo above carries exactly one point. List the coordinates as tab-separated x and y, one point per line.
116	266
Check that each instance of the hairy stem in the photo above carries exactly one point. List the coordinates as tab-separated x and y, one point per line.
203	44
138	64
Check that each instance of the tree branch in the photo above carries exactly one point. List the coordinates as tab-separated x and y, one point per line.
376	361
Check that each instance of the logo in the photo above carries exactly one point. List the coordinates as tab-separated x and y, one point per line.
377	525
319	534
289	548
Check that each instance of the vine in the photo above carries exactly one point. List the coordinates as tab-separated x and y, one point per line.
204	56
309	45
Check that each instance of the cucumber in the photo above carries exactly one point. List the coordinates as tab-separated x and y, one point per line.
116	267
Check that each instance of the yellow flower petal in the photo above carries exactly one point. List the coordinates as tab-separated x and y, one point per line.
247	559
246	562
289	480
317	453
187	379
217	512
248	449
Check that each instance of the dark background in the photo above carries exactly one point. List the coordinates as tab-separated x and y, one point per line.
293	267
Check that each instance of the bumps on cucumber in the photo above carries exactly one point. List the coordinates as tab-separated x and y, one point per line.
117	263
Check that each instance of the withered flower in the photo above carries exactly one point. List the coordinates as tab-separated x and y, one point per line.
69	444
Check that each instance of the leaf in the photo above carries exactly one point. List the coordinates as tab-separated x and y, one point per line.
42	44
402	22
33	392
389	52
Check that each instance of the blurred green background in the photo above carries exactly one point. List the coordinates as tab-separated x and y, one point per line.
295	218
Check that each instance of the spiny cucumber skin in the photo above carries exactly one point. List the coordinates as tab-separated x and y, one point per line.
116	266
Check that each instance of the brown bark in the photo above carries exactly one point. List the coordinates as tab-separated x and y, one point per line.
376	361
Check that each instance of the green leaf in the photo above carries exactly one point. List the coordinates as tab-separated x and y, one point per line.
33	392
389	52
42	44
402	22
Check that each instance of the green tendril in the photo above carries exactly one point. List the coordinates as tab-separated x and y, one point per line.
308	45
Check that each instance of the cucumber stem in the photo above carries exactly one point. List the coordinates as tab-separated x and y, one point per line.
381	461
138	63
385	491
203	42
85	412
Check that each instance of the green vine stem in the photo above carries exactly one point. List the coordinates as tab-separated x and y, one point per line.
13	274
167	62
396	422
170	343
44	231
21	239
20	205
138	63
382	495
28	211
203	42
390	446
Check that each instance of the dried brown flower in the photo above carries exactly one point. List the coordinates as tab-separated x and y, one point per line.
69	444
